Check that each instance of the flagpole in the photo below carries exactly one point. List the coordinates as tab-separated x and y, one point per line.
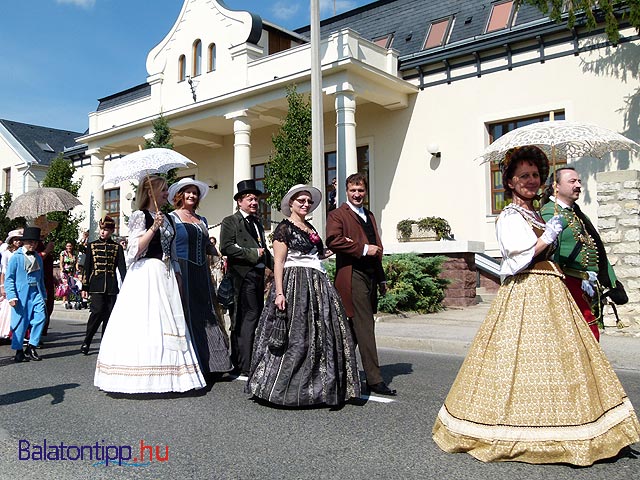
317	128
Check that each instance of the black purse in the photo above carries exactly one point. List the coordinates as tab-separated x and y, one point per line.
226	291
279	333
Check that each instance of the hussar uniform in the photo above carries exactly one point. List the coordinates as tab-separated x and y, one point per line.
104	258
579	257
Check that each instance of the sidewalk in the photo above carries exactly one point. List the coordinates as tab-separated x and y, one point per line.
451	332
448	332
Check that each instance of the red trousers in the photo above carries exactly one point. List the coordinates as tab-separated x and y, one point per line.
584	303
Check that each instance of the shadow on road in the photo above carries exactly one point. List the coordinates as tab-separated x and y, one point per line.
389	372
57	392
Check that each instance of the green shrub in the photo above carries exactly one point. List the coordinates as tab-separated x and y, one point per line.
413	284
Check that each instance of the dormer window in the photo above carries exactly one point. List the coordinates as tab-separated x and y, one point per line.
501	16
438	33
384	42
196	68
182	68
211	58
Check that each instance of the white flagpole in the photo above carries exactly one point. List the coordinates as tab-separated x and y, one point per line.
317	128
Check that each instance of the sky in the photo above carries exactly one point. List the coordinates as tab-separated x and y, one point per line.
58	57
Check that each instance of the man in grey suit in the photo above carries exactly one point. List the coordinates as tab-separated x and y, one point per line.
243	242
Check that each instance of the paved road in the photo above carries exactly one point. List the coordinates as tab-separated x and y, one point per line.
221	433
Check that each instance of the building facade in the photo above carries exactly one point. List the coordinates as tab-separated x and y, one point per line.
413	92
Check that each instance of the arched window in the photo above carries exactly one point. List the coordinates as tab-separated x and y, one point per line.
182	68
197	58
212	58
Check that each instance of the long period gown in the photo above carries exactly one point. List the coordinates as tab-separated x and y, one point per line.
146	347
204	325
535	386
317	363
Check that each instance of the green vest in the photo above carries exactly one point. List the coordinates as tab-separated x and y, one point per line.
567	255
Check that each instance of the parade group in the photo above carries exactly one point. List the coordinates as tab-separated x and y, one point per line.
535	386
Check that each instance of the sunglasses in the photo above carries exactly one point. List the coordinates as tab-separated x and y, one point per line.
303	201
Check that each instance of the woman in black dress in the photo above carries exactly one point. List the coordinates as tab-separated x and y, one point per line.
304	352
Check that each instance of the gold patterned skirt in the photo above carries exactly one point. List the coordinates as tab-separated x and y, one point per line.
535	386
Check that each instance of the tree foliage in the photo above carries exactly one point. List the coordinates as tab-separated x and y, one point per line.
591	9
7	224
162	139
290	161
60	175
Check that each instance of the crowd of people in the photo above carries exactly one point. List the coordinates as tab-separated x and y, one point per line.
535	386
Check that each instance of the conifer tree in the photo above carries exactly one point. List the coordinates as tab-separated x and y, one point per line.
290	160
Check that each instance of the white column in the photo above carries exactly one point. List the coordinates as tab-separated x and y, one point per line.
241	146
95	207
346	152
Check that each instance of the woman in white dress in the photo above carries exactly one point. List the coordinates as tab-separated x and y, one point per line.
535	386
146	345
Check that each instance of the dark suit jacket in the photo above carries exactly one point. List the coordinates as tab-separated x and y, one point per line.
101	262
241	248
343	223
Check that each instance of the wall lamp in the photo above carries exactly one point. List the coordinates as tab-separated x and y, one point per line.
434	149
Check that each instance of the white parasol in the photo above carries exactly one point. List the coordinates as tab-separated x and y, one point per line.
560	139
137	165
143	163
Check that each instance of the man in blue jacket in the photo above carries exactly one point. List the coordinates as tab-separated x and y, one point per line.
24	286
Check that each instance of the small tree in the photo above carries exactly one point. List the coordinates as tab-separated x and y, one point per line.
161	139
7	224
557	8
60	175
290	161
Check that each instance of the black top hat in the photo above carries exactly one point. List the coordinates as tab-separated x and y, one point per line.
245	187
31	233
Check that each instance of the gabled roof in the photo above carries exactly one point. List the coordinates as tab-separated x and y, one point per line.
409	20
43	143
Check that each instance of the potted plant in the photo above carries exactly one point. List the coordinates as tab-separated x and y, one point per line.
424	229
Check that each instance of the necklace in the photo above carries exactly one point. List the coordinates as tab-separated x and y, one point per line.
301	226
531	216
188	216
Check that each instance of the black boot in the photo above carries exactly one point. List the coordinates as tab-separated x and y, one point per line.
84	349
31	353
20	357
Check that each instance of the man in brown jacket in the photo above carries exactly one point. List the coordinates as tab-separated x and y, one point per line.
352	233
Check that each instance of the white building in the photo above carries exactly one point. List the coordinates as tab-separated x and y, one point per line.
400	79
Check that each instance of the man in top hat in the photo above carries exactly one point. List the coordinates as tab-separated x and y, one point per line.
243	242
24	285
352	233
104	258
580	253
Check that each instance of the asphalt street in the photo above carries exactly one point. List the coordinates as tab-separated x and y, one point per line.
222	434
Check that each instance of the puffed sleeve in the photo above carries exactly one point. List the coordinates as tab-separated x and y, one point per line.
282	232
137	228
516	240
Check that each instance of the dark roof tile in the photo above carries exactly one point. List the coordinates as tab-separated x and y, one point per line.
43	143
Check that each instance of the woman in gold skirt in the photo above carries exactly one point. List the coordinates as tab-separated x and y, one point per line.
535	386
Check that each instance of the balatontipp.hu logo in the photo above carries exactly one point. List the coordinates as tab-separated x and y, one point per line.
99	453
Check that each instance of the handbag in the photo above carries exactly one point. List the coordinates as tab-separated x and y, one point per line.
279	332
62	290
226	291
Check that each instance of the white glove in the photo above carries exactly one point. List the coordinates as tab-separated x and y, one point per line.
552	230
587	285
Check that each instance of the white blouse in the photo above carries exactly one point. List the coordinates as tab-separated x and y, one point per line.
517	242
